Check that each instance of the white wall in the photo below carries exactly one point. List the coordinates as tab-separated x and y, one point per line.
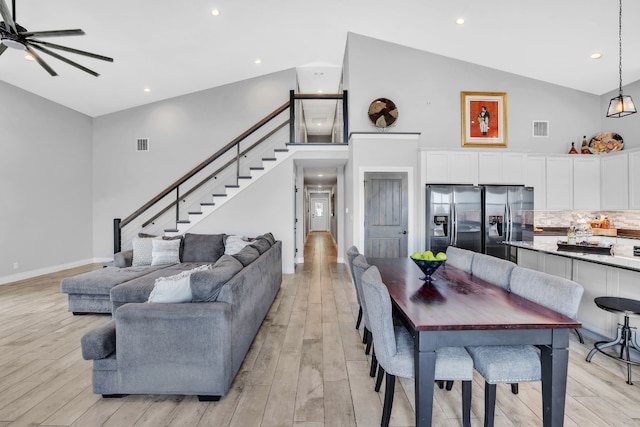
183	131
426	89
267	205
45	183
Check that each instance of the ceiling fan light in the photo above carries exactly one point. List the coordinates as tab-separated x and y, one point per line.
12	43
620	106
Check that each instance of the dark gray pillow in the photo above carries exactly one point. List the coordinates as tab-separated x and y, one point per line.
202	247
261	244
247	255
206	285
270	238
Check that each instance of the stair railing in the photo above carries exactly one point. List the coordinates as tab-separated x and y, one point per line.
120	224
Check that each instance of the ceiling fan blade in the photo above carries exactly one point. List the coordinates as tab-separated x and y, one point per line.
6	16
52	33
68	61
2	48
71	50
40	61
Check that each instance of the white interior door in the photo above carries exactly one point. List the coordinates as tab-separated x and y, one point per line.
319	214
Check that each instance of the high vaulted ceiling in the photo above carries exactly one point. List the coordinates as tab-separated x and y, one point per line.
174	48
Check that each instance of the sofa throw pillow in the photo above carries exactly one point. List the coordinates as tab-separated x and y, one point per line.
165	252
233	244
261	244
206	285
202	247
247	255
142	247
174	289
270	238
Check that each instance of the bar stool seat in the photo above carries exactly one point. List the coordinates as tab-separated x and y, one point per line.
625	337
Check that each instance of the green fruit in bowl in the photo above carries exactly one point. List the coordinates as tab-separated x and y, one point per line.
428	255
416	255
441	256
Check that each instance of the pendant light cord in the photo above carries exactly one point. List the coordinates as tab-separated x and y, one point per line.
620	45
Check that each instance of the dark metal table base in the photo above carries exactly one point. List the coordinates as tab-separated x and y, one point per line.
626	338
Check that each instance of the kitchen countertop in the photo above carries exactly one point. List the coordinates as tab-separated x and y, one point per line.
562	231
622	254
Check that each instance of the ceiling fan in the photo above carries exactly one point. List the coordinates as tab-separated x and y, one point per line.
17	37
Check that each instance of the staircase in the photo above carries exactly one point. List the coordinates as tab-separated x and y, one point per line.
222	176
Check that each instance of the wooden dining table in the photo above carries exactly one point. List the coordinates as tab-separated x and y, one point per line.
457	309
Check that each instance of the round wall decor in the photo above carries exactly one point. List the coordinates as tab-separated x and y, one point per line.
383	112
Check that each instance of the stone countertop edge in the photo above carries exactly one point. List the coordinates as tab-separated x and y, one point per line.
622	257
562	231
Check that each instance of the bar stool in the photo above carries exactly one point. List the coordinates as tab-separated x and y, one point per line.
626	336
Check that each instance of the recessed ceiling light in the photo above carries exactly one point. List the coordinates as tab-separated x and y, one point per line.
596	55
258	61
320	174
319	90
147	90
29	57
460	21
215	12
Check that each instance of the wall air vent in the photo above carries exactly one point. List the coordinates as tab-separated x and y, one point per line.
541	128
142	144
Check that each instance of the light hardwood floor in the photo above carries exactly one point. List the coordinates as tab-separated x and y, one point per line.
306	368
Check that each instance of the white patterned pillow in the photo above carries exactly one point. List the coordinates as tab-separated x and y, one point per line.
165	252
174	289
142	250
234	244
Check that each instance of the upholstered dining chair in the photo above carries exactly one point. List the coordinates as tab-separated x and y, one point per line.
460	258
394	348
492	269
353	252
515	364
359	267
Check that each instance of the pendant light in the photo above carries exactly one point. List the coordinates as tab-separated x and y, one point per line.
621	105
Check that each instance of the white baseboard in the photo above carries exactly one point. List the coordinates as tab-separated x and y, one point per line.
4	280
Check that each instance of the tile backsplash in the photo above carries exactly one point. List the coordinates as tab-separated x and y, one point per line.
619	219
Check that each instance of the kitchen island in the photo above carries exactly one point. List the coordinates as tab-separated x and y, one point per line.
615	275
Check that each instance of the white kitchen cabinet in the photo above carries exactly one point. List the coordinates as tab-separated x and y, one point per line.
614	178
586	183
501	168
634	179
535	176
593	278
559	182
451	167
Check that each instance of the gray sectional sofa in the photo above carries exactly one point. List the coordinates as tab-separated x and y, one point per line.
188	348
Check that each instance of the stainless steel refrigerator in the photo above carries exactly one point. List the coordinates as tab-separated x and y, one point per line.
478	218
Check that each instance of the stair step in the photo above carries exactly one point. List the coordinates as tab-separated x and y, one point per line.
244	177
183	221
171	230
281	150
269	159
219	195
256	168
232	186
207	204
195	213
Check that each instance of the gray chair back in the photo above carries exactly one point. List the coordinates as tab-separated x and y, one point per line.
460	258
352	253
557	293
378	302
359	267
493	270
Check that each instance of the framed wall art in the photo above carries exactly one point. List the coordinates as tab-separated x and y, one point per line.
484	119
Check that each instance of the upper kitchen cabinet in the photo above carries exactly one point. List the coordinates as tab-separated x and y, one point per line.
559	180
614	190
535	176
586	183
501	168
634	179
450	167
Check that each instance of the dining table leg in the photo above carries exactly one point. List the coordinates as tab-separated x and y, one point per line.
425	368
554	362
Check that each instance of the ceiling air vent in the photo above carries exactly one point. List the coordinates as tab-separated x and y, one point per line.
142	144
540	128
